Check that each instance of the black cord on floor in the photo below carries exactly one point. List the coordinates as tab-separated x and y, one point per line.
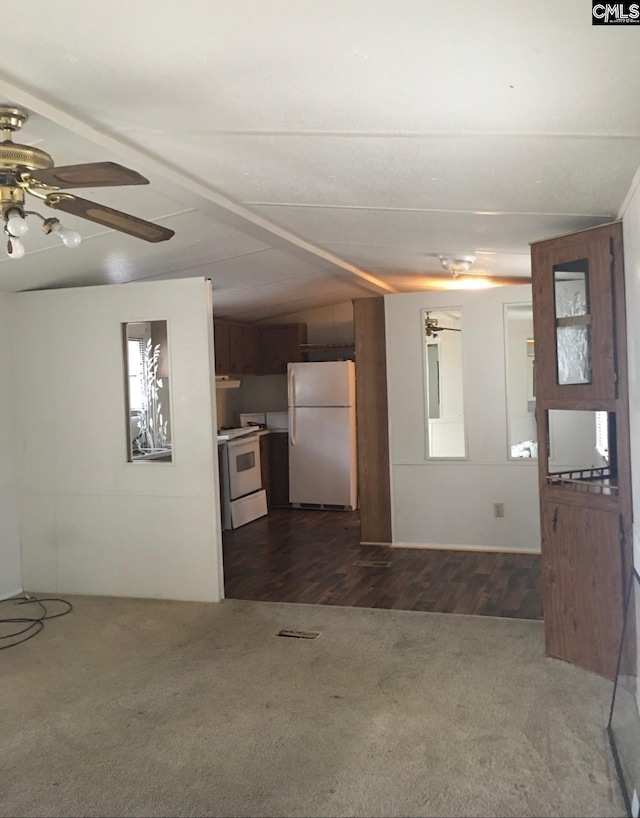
34	624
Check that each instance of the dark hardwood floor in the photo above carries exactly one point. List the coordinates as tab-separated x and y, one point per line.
308	556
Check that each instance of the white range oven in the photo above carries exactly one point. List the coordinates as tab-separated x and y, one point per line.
243	498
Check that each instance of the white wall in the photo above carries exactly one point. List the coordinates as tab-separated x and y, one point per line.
440	502
90	522
630	215
10	575
325	325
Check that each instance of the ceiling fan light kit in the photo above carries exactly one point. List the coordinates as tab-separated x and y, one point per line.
28	170
456	265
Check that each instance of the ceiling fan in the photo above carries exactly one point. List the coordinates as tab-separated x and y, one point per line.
431	327
28	170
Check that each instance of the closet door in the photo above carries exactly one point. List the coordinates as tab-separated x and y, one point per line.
582	413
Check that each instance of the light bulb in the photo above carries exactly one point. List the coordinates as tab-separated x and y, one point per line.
15	248
17	224
70	238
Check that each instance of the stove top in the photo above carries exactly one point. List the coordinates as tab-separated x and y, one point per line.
229	434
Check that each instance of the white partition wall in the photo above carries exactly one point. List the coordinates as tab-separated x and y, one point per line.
91	522
451	502
10	576
631	237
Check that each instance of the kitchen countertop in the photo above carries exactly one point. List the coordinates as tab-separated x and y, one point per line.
261	433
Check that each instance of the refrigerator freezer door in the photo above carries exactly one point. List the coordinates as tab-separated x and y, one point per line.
322	456
325	383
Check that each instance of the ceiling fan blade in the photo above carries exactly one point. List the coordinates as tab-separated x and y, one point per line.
91	174
109	217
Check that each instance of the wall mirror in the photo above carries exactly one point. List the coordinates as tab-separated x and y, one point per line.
446	436
520	371
147	381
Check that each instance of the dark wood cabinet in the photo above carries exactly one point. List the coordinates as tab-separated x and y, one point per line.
274	467
250	350
236	358
236	348
581	383
279	345
279	468
257	349
221	343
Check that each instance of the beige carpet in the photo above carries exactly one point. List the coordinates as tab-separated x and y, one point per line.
129	707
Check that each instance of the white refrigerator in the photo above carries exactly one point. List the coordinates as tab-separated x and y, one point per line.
322	435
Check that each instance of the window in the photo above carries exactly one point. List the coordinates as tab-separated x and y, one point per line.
445	422
147	386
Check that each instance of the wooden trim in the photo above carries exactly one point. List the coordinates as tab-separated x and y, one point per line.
575	235
585	499
487	549
374	480
574	321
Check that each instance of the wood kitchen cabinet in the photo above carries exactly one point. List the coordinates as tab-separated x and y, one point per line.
257	349
250	350
236	348
279	468
236	359
280	345
274	468
221	343
265	466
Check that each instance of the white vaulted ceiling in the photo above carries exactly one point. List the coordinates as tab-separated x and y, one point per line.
310	151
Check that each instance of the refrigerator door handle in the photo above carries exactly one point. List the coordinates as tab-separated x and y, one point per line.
292	426
292	387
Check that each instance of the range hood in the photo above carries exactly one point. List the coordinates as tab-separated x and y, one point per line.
225	382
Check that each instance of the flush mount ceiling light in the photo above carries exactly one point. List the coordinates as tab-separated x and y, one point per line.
457	265
25	169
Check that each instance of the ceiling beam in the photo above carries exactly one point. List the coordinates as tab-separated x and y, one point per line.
16	95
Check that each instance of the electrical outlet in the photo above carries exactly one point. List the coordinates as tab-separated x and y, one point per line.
498	509
635	805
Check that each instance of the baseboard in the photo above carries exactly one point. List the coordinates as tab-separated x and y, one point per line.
368	542
452	547
9	595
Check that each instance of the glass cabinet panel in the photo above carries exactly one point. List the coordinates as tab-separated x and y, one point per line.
573	322
573	346
571	288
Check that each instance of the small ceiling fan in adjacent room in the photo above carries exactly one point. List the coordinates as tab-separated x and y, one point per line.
28	170
432	328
